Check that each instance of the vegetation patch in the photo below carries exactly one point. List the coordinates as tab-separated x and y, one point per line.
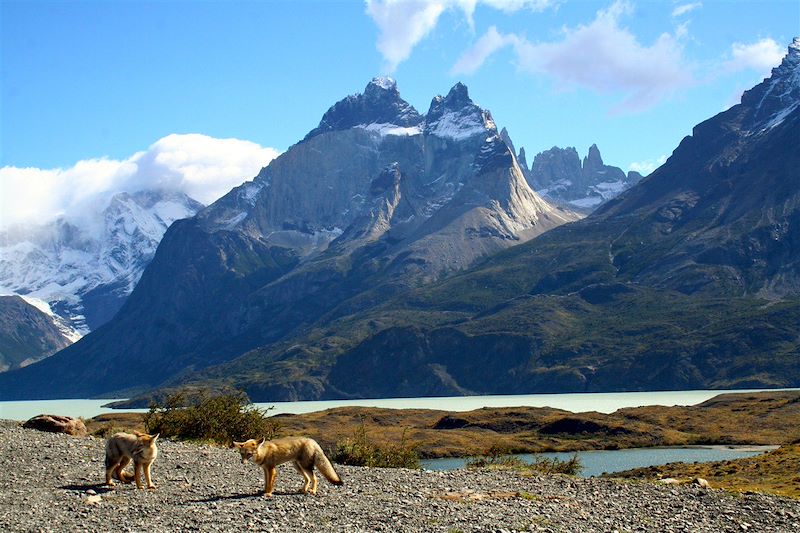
221	419
499	457
361	450
775	472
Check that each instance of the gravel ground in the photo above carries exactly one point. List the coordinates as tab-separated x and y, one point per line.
51	482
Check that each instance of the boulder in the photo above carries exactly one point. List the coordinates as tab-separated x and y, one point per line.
57	424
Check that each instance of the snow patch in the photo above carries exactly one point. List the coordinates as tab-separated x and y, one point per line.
384	82
71	334
588	202
609	189
385	129
457	126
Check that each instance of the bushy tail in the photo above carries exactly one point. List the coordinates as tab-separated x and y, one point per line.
124	475
325	467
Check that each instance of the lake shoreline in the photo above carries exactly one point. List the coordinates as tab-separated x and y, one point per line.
205	488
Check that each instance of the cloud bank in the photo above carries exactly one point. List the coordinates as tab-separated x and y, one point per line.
602	56
203	167
402	24
646	167
760	56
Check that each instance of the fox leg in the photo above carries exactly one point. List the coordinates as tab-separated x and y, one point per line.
269	479
306	479
119	473
150	484
137	473
314	482
110	467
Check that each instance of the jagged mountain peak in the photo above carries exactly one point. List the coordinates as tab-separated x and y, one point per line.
379	85
593	159
776	97
380	103
457	117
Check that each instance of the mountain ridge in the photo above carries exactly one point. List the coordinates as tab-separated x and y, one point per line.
688	280
392	206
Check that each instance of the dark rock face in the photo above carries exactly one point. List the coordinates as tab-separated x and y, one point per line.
26	334
57	424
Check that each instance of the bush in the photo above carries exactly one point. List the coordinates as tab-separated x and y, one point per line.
499	457
222	418
361	451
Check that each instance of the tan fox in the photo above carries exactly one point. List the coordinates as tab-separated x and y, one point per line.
305	453
121	448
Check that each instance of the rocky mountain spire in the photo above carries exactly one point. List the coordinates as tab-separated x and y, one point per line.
777	96
457	117
380	103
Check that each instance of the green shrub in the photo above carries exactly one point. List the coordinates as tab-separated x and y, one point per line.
106	430
361	451
571	466
499	457
222	418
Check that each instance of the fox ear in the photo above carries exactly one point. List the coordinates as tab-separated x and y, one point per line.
155	437
263	439
139	433
237	444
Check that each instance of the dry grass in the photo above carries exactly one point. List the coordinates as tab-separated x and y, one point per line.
776	472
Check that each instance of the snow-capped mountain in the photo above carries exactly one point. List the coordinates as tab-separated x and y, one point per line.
28	332
560	175
376	199
375	161
81	270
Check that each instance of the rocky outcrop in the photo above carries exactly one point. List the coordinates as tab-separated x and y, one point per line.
57	424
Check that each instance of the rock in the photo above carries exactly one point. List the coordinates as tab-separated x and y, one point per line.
57	424
93	499
701	482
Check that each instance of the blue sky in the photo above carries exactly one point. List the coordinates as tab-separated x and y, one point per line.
102	83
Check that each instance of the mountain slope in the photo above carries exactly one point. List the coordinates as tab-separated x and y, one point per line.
688	280
376	199
26	334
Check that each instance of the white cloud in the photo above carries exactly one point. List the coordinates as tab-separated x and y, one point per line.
402	24
646	167
471	60
203	167
760	56
685	8
601	56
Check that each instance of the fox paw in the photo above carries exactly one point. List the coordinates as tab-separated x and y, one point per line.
268	495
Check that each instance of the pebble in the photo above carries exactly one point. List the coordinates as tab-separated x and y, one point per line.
203	488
